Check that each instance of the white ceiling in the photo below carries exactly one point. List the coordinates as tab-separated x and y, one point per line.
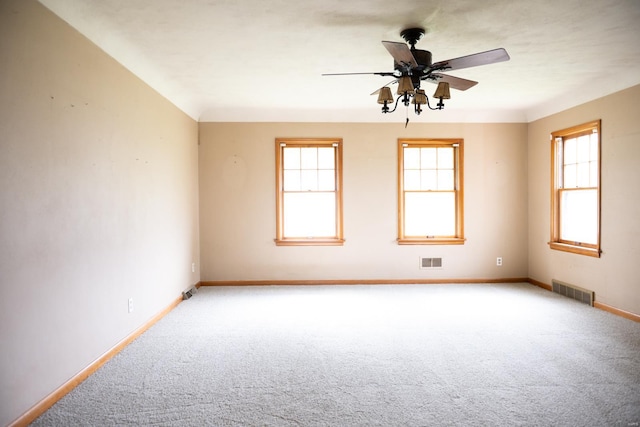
262	60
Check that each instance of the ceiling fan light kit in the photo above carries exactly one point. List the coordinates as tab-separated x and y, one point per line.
405	87
412	66
385	95
420	97
409	96
442	91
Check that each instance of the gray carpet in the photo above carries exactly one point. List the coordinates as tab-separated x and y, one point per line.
409	355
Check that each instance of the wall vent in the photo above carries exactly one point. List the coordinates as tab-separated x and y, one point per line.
430	263
574	292
189	293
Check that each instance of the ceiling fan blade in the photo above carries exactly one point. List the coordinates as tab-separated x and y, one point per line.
382	73
401	53
473	60
390	83
454	82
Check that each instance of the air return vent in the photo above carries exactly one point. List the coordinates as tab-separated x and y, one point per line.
430	263
573	292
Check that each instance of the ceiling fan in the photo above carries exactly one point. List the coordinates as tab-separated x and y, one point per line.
412	66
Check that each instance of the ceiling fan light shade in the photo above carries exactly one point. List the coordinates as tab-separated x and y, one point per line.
442	91
385	95
405	86
419	98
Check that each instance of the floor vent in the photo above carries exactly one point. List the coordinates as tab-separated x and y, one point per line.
573	292
431	263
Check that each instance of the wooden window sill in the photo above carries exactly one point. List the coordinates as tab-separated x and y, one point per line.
580	250
432	241
309	242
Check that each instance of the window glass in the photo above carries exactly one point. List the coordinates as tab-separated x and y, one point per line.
411	158
579	221
309	214
291	157
429	179
430	214
309	158
326	158
292	180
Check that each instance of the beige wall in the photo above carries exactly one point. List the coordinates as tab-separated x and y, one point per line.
237	204
615	277
98	203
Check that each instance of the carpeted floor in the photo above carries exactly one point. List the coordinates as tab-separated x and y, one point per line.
409	355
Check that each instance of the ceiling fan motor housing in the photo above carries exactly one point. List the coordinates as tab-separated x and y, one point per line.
423	58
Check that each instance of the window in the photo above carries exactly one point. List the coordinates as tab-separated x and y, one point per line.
309	192
575	189
430	196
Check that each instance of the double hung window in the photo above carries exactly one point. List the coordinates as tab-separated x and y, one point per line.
309	192
430	193
575	190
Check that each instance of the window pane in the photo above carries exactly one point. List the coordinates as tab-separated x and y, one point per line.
411	158
445	180
445	158
429	214
412	180
583	148
583	175
579	216
569	177
326	180
291	180
429	180
291	158
309	158
428	158
326	158
309	214
569	151
308	180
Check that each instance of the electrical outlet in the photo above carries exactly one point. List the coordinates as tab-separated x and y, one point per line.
130	305
193	267
499	261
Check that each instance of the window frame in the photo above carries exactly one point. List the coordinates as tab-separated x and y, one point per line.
557	187
458	145
280	239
